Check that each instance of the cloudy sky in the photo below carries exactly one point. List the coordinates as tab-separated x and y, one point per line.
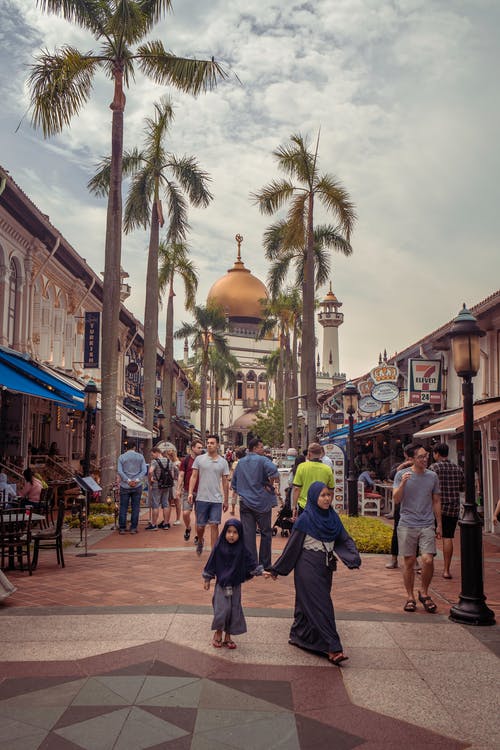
405	93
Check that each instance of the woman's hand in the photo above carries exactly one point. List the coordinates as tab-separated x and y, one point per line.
267	575
206	585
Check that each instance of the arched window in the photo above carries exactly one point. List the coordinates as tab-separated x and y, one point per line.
262	396
250	389
12	304
239	385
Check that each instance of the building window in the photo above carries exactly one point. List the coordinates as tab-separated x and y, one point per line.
12	304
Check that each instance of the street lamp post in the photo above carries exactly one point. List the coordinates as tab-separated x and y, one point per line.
350	398
90	403
161	424
471	608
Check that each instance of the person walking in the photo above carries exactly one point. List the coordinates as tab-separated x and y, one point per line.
318	537
211	472
231	564
185	471
451	483
408	461
131	469
161	481
252	482
416	490
311	470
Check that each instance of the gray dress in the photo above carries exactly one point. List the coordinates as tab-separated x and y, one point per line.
228	612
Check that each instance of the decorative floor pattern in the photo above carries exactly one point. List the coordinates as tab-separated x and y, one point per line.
165	696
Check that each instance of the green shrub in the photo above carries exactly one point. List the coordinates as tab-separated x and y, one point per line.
99	508
370	534
95	521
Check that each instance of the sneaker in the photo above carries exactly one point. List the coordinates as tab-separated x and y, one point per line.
151	527
133	531
195	540
392	565
176	523
161	525
199	548
165	526
187	534
122	531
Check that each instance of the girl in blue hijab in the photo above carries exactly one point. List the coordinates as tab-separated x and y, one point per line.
231	564
317	540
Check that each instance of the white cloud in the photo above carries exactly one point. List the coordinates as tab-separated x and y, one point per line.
406	97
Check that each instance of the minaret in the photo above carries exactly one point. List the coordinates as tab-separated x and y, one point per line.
330	318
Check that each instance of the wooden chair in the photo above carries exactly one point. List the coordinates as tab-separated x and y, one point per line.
15	538
47	506
50	538
368	502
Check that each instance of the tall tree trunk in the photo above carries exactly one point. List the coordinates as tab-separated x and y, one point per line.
295	392
168	363
212	410
203	388
111	294
151	327
287	393
308	336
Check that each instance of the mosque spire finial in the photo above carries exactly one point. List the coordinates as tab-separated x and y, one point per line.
239	240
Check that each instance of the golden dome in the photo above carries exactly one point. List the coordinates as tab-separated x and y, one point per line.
239	292
330	297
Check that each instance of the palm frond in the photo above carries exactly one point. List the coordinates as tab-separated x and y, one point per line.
60	85
156	129
185	74
294	231
89	14
273	239
273	196
192	179
138	204
278	272
336	199
329	236
177	211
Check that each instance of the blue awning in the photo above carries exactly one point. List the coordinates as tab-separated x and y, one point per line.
377	423
21	374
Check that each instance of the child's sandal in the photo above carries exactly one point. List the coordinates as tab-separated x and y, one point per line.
229	644
217	642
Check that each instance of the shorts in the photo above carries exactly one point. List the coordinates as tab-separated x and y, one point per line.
160	498
185	505
449	526
208	513
422	538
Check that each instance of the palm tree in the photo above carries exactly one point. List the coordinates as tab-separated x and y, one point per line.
173	260
207	331
156	172
299	164
61	84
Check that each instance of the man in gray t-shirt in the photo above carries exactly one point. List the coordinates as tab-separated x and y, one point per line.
416	490
212	472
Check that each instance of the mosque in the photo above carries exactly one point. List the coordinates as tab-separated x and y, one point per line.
242	296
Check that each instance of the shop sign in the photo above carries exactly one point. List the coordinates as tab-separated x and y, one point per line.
336	455
424	382
368	405
91	339
385	392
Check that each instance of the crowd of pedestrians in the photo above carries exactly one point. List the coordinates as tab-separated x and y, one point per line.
426	509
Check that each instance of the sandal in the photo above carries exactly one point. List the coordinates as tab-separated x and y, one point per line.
337	658
427	603
410	606
229	644
217	643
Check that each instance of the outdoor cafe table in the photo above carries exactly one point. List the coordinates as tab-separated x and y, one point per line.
385	489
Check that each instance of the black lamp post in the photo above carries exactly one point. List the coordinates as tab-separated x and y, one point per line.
471	608
350	398
90	402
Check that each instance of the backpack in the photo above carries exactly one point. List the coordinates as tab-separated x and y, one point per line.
164	476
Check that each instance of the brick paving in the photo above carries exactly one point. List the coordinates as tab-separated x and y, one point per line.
159	568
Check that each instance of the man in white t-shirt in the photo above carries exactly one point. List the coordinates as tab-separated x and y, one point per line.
211	471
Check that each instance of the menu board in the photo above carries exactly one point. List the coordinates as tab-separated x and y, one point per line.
337	457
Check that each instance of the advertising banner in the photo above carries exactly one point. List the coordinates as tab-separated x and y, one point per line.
91	339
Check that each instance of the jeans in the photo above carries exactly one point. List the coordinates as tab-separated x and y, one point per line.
249	520
132	495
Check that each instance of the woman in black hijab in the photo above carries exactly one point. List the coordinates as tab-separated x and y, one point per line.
317	539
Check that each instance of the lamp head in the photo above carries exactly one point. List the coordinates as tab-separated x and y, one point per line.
91	392
465	334
350	398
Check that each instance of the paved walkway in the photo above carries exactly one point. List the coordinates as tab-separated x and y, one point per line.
115	651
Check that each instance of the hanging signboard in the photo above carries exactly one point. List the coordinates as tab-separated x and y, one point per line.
91	339
336	455
424	381
368	405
